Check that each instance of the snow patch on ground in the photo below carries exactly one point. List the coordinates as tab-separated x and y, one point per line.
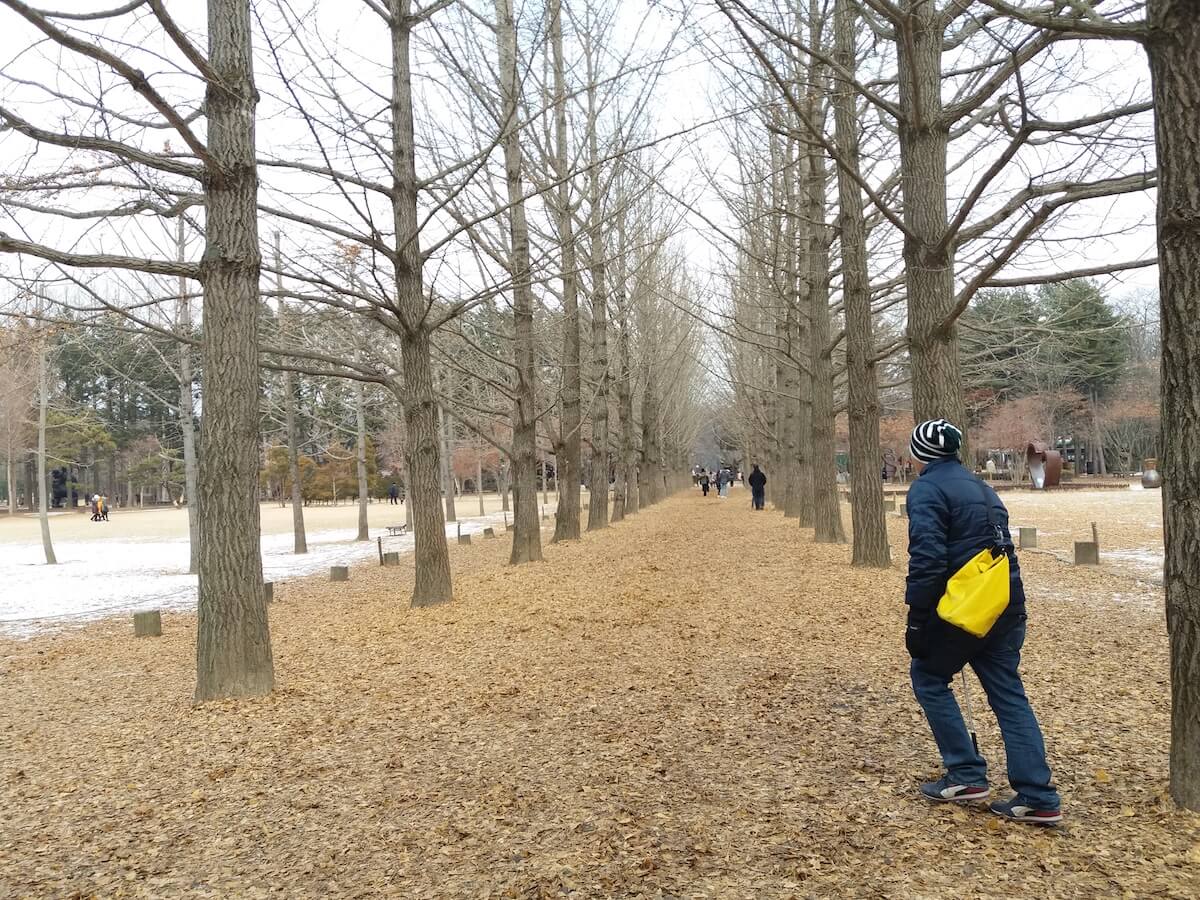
105	577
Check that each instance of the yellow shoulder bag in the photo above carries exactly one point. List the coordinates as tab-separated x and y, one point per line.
978	593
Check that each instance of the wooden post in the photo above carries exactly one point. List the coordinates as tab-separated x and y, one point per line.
464	539
268	592
147	624
489	532
1095	537
339	573
379	540
390	559
904	510
1087	553
1028	537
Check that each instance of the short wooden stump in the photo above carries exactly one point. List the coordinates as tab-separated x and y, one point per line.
147	624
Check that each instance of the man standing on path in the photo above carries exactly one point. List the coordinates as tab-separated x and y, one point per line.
704	482
758	486
953	516
393	494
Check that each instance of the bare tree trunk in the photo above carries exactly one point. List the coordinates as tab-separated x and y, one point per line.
1174	48
421	457
598	480
479	480
360	401
12	483
299	538
43	490
827	515
233	646
447	475
866	498
627	477
527	536
187	418
569	446
928	256
502	484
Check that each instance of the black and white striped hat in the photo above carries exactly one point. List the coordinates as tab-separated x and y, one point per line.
935	439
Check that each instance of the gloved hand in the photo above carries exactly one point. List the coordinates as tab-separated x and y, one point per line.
916	635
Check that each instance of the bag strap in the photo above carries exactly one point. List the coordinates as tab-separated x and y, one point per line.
997	531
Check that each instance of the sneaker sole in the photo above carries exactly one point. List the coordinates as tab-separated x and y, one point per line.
962	798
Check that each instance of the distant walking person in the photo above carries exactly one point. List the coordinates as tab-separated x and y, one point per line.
758	486
704	481
104	508
95	507
393	494
952	517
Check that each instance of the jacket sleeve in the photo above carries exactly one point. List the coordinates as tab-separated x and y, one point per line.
928	529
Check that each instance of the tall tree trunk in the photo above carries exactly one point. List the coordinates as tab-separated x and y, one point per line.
502	484
187	417
928	257
527	536
479	479
43	488
569	446
627	476
364	489
866	498
447	475
233	646
299	538
432	582
12	483
598	480
827	515
1174	47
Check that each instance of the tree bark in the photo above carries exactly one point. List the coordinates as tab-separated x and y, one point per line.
432	582
479	479
598	480
527	537
43	491
827	515
233	646
187	417
569	446
1174	47
627	478
866	499
928	260
447	475
299	537
364	489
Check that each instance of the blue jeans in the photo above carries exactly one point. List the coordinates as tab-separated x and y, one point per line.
996	666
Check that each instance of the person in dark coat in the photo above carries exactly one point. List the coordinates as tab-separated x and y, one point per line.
704	481
758	486
393	494
952	516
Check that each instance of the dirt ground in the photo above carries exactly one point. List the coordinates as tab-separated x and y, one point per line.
698	702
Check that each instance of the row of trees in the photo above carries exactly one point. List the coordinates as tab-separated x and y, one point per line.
475	205
921	189
475	301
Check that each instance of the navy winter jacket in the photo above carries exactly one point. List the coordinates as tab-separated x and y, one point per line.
947	525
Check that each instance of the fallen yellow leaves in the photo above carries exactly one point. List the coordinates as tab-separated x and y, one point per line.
698	702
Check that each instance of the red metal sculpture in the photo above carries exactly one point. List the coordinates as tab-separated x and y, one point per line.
1045	465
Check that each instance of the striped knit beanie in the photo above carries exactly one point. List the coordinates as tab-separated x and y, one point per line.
935	439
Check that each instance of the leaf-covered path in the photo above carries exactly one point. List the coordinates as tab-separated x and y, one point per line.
697	702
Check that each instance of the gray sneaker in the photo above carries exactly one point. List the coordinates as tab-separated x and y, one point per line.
944	790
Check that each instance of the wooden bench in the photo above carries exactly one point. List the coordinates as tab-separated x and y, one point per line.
395	530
